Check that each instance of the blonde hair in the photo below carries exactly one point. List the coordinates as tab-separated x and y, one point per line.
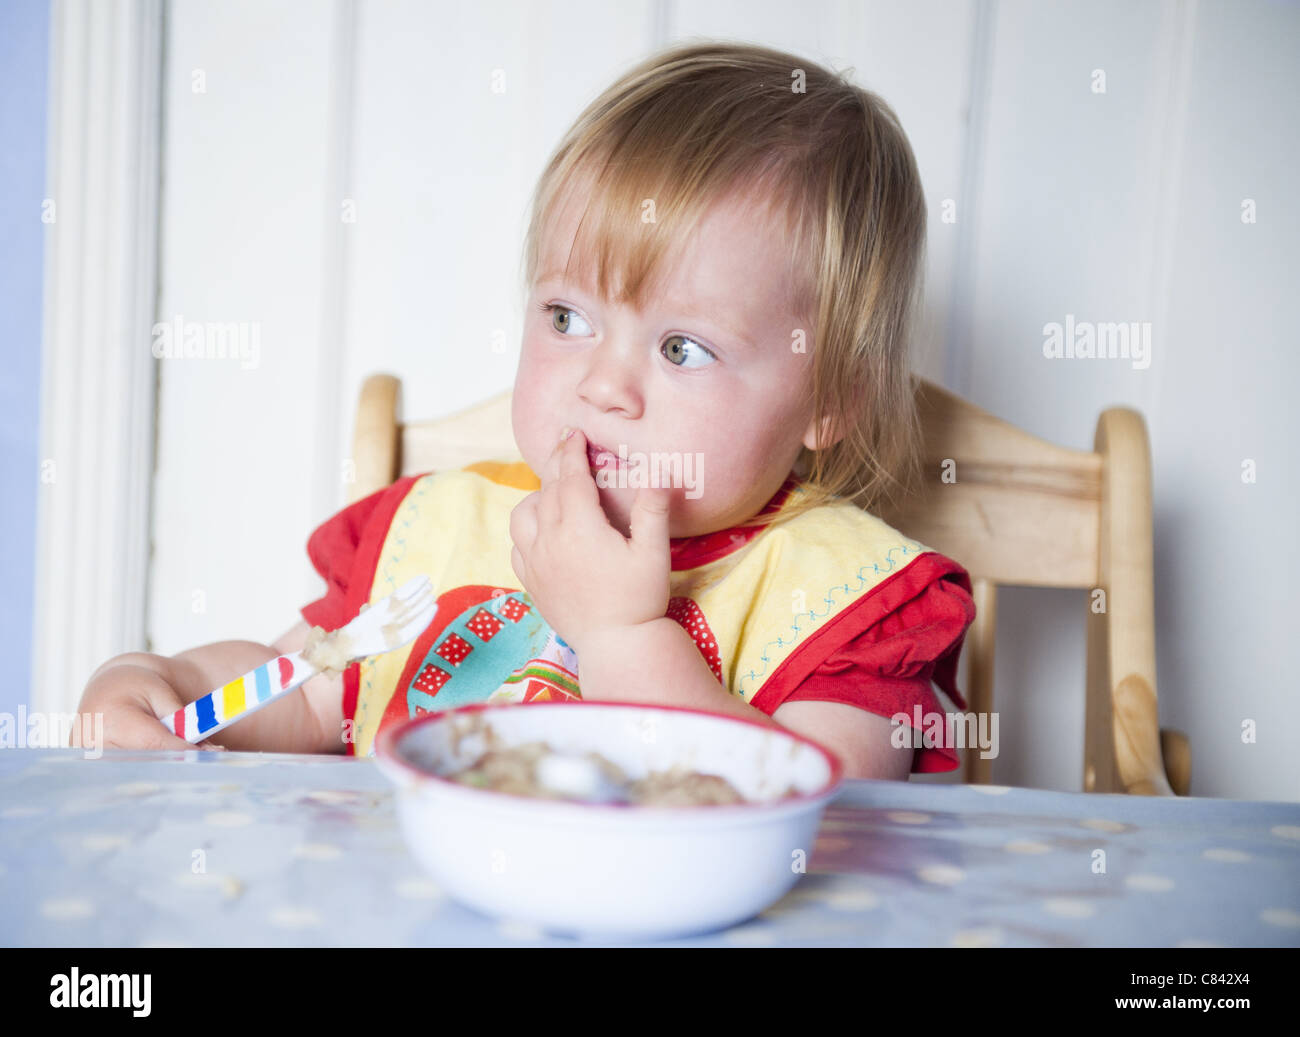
698	121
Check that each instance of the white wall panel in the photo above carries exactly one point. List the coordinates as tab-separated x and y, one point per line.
1226	551
1125	206
919	58
243	235
443	165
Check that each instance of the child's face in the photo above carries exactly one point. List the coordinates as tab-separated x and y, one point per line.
707	372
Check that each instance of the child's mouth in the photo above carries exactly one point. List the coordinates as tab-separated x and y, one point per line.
602	457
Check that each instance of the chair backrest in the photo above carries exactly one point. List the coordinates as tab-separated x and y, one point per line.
459	439
1010	507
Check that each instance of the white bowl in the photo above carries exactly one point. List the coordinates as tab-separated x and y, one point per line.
624	871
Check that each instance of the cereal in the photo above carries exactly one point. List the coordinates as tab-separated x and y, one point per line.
328	652
514	772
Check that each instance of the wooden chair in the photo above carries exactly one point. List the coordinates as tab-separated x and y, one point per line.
1010	507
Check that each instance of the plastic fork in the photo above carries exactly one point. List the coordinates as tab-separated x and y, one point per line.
389	623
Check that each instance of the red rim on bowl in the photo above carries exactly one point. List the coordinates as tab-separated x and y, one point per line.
386	743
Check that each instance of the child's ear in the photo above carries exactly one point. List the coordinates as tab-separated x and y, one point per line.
828	435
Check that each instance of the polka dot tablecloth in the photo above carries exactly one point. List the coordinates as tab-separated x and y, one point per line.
238	849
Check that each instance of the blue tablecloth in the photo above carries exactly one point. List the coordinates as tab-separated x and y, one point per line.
268	849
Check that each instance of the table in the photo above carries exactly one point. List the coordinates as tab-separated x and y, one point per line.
268	849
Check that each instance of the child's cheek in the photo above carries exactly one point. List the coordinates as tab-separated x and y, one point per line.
523	424
529	424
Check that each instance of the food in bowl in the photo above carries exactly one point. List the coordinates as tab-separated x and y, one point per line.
514	771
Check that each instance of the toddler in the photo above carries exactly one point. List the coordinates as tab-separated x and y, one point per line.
722	265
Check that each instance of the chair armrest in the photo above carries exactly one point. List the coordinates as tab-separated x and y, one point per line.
1122	691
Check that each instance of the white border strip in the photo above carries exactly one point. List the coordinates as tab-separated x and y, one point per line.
331	492
97	370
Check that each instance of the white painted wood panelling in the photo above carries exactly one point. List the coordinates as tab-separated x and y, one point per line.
244	236
1126	206
919	58
443	166
1122	206
97	377
1226	552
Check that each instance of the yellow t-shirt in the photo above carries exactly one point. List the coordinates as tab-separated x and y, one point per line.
833	605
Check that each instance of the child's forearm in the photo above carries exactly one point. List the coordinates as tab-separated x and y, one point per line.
655	662
286	725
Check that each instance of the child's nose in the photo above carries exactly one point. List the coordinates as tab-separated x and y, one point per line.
612	381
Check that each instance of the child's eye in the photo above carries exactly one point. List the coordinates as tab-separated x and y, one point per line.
554	309
678	350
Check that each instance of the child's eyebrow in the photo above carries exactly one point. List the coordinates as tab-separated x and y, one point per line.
549	276
701	313
697	311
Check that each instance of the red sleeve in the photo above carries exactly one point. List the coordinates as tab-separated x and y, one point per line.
345	548
882	654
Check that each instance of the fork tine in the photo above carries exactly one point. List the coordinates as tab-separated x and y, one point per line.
410	588
401	601
412	606
409	626
424	602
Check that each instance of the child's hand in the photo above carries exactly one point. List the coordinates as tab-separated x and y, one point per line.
121	705
581	572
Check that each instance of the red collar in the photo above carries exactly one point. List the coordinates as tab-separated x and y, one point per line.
692	552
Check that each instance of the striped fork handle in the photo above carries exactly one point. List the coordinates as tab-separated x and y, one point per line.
216	710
